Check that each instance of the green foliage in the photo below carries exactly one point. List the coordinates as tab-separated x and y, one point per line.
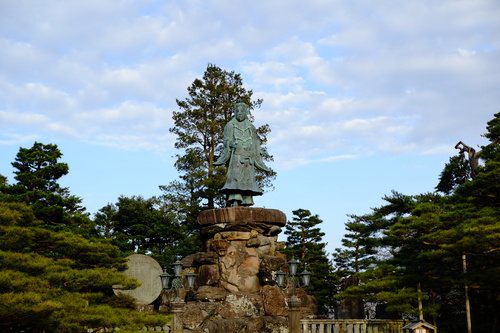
492	150
54	277
38	167
455	173
305	243
121	301
359	246
438	244
37	173
54	280
3	180
146	226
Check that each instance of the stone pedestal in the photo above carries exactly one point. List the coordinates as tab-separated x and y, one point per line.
177	308
235	286
241	247
267	222
294	305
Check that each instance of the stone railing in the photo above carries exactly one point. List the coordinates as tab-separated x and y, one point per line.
167	328
352	326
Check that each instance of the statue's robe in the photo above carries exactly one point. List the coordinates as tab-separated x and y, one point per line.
242	155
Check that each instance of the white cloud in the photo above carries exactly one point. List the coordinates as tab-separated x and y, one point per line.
132	142
376	88
339	76
12	119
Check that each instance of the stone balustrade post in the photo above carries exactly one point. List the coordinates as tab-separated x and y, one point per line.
294	314
177	308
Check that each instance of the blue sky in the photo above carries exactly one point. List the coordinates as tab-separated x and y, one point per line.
362	97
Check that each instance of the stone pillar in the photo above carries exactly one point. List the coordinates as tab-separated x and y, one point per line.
294	314
177	308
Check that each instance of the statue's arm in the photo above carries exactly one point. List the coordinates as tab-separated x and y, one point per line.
227	144
259	152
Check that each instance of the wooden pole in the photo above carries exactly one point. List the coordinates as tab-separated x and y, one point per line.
420	307
467	302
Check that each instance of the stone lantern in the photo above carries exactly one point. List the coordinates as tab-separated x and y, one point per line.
294	302
177	304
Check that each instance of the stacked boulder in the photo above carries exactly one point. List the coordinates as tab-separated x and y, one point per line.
235	289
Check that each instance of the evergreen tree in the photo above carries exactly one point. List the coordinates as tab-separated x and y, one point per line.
479	233
455	173
485	189
52	278
358	253
57	281
199	126
146	226
37	173
305	243
437	247
402	263
358	246
3	180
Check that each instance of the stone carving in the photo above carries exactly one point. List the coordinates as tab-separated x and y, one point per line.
239	268
243	155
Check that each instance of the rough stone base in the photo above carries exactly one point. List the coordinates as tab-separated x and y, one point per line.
235	290
245	325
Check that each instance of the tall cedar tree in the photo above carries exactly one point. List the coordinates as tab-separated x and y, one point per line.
199	126
305	243
52	278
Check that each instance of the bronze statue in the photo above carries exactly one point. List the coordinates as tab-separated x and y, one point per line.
242	155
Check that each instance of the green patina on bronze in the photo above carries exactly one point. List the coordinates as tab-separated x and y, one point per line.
243	156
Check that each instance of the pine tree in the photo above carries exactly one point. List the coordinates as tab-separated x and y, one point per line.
358	246
433	248
358	253
146	226
401	263
53	276
57	281
38	170
455	173
305	243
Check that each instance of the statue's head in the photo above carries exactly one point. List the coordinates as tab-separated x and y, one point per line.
241	111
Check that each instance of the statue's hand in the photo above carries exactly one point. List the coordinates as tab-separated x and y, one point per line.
232	145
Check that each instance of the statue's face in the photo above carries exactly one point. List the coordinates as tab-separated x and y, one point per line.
240	113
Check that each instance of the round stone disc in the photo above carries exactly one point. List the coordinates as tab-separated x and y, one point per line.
147	271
